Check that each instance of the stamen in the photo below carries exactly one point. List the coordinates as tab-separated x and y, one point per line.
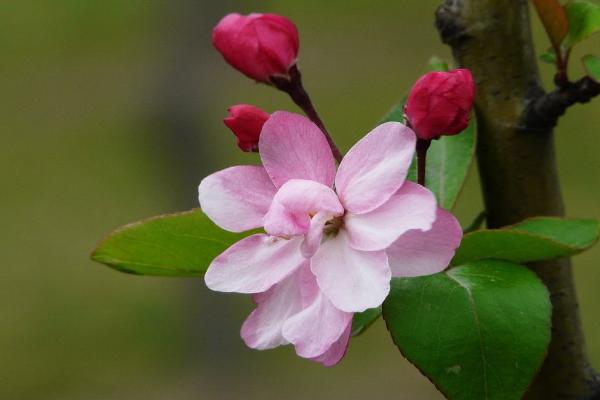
333	226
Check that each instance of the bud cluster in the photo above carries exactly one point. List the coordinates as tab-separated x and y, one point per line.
264	47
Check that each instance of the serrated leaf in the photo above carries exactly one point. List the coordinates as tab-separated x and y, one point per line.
478	331
363	320
584	20
535	239
554	18
592	66
448	162
181	244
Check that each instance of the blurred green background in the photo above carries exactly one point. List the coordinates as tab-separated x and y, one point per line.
111	112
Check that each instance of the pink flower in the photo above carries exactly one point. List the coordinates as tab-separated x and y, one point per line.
326	253
246	122
440	103
257	45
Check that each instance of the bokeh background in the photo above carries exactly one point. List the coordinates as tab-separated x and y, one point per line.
111	112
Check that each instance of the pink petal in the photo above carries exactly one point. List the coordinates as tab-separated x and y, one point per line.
419	253
411	207
279	221
337	351
254	264
313	238
353	280
375	167
292	147
294	204
237	198
318	326
263	328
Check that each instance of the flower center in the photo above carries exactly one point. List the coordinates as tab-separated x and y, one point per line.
332	226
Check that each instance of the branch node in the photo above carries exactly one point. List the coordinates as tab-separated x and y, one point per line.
543	111
450	24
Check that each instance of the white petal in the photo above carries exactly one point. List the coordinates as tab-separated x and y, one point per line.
237	198
254	264
263	328
337	350
318	326
353	280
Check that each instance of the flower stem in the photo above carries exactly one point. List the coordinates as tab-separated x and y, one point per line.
292	85
422	147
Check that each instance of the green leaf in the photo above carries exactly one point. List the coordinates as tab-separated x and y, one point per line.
478	331
534	239
181	244
448	162
477	223
363	320
437	64
592	66
549	57
584	20
395	114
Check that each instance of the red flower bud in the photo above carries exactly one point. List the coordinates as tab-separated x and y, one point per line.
257	45
246	122
440	103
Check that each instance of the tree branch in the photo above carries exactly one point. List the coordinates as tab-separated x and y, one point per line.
543	112
519	177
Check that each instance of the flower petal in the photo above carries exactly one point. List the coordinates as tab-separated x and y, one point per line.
411	207
279	221
318	326
292	147
419	253
263	328
313	238
254	264
375	167
294	204
353	280
237	198
337	351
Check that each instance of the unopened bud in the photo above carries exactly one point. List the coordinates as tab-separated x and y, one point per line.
246	122
440	103
257	45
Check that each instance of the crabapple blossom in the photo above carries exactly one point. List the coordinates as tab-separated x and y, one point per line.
440	103
246	122
257	45
332	240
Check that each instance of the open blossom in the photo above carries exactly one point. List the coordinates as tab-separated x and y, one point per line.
257	45
440	103
333	239
246	122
